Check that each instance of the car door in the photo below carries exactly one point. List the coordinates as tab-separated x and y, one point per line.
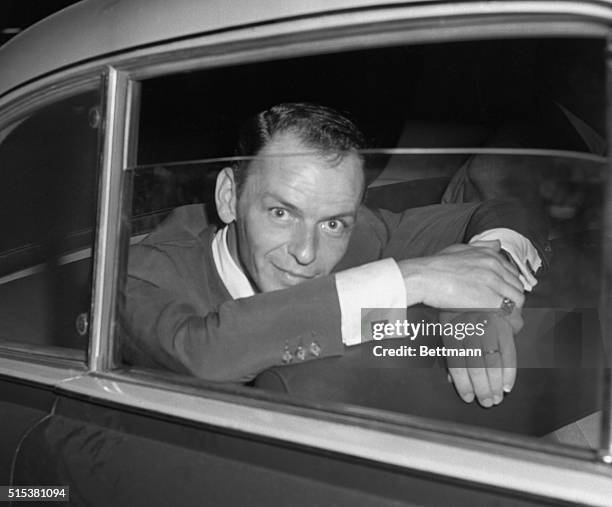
118	434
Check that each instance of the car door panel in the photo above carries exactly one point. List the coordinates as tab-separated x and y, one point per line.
22	406
110	456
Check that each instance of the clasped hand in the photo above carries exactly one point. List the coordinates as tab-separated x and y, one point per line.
469	283
488	376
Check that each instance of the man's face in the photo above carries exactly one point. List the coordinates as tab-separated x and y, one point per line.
296	212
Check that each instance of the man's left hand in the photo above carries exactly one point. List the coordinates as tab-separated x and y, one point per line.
489	376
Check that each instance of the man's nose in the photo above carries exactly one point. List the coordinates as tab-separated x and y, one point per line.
304	244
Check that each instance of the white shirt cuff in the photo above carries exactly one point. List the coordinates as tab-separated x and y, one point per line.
375	285
523	253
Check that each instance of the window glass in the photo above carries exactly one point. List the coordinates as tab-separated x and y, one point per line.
461	141
49	169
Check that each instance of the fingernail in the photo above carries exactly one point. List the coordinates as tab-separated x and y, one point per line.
507	389
468	398
497	399
487	402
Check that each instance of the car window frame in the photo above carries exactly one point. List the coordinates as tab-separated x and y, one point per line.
11	111
204	56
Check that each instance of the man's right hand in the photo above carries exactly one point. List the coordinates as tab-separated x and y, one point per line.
475	276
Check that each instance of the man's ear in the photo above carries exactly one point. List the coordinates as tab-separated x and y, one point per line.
225	195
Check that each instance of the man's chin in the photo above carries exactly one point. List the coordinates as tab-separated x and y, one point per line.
281	285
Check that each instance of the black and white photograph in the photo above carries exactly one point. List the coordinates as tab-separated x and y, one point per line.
305	253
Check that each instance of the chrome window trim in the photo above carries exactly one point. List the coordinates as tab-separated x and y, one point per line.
606	300
42	373
109	216
43	354
396	422
323	40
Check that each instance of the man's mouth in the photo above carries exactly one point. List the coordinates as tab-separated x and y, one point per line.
294	276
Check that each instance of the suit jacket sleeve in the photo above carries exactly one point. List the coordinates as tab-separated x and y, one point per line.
426	230
177	316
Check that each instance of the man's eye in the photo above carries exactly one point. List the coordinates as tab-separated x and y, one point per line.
334	225
280	213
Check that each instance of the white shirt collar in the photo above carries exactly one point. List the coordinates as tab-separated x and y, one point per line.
233	277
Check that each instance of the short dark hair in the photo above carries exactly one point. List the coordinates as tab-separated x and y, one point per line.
322	128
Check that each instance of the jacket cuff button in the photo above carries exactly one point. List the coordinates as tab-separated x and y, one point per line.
287	357
300	353
315	349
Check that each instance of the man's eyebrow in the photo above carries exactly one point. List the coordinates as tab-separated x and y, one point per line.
345	214
282	202
293	207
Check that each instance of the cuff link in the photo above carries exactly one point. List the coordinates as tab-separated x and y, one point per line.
315	349
300	353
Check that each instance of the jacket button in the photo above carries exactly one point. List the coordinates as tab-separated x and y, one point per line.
315	349
300	353
287	357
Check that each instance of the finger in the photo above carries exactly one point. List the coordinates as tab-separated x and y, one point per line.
508	290
480	384
456	367
507	349
462	383
506	261
512	279
491	356
502	271
515	319
479	378
493	364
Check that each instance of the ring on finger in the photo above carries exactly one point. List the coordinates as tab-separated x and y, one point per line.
507	306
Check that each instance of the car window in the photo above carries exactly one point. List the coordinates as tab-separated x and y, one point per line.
448	127
49	165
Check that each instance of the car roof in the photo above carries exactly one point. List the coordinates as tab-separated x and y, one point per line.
93	28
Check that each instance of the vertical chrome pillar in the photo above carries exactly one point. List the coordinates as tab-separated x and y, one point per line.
106	258
606	296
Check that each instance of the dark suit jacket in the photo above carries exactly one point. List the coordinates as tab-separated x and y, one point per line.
177	313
